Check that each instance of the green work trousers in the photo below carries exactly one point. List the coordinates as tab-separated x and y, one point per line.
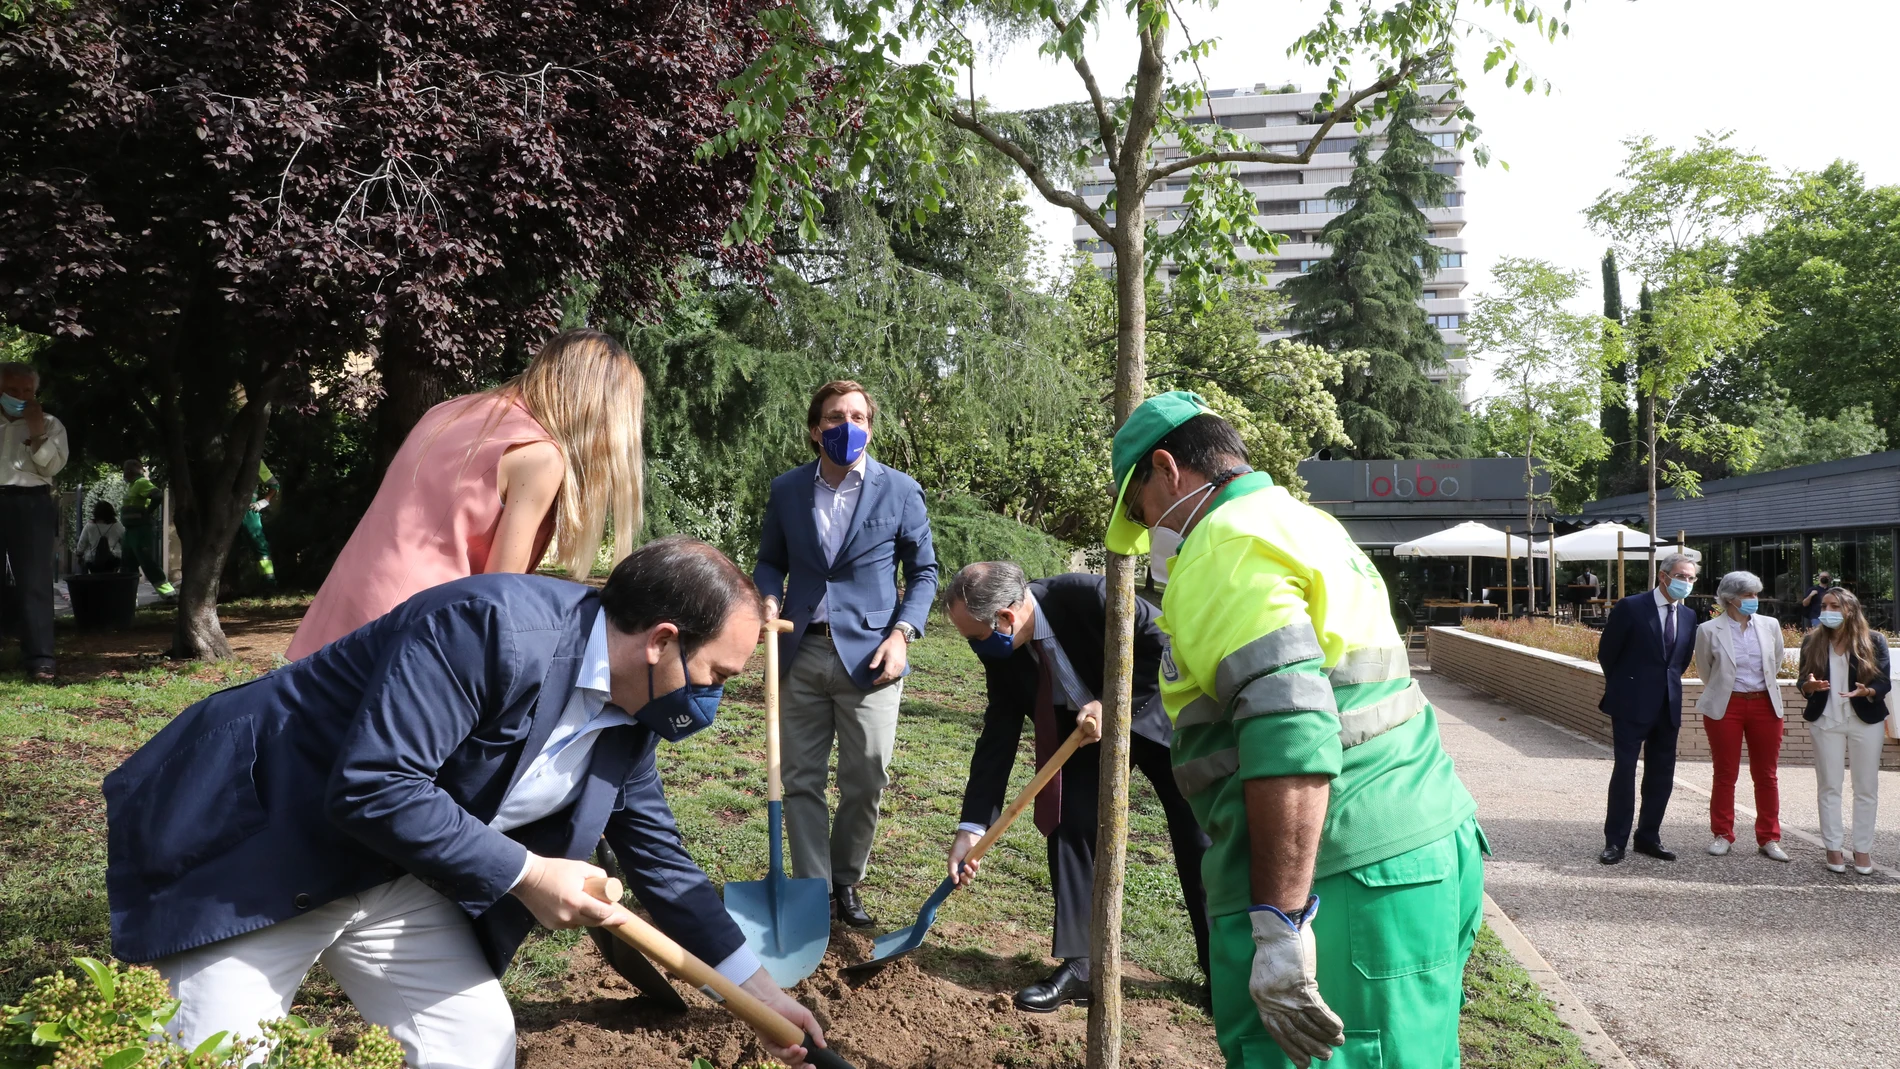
141	553
254	526
1392	938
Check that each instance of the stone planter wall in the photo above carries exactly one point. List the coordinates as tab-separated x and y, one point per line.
1565	690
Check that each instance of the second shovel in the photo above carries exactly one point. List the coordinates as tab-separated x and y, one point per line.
786	922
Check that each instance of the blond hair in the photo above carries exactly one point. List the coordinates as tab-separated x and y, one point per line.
585	390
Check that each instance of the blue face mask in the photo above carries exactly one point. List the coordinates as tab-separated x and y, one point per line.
1679	589
1749	606
12	405
996	647
679	713
1830	618
844	444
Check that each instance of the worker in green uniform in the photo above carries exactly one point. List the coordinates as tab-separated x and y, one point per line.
261	497
1310	756
141	512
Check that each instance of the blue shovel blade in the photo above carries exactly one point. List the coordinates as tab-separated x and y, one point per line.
786	922
890	947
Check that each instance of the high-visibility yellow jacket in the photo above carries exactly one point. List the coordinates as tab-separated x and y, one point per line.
1285	662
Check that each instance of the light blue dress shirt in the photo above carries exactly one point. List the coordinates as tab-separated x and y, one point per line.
555	777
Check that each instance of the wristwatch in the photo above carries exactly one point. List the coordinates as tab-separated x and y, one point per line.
910	633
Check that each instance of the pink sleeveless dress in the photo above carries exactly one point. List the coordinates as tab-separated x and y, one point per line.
433	519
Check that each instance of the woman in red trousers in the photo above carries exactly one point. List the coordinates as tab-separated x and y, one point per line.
1738	656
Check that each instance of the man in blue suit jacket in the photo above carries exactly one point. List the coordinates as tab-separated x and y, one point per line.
1647	644
405	803
835	531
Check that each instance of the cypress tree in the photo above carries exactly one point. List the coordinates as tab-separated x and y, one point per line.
1616	470
1365	296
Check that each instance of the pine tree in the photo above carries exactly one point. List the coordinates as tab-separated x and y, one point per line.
1365	296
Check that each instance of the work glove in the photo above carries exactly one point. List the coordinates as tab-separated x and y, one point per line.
259	505
1285	988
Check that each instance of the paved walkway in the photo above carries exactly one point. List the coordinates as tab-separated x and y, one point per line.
1704	962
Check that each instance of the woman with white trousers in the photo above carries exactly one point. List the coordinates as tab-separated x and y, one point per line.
1846	674
1737	656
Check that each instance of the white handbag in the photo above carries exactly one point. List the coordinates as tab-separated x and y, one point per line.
1893	713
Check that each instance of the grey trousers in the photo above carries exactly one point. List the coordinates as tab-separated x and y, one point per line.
818	703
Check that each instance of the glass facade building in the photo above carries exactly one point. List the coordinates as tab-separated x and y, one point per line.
1841	517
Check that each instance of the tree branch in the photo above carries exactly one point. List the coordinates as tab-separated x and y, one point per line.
1150	81
1347	110
1033	171
1102	118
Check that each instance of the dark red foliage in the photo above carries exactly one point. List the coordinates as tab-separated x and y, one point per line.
445	164
211	204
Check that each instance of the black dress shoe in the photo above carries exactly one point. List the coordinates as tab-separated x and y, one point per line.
1048	994
1611	855
1656	852
846	907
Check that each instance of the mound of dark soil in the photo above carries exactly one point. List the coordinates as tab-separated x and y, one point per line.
937	1009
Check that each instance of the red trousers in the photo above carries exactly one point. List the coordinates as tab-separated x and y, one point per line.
1749	716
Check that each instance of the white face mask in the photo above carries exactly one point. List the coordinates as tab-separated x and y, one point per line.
1163	544
1206	490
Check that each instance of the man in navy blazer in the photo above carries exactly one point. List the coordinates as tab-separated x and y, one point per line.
835	532
1647	644
405	803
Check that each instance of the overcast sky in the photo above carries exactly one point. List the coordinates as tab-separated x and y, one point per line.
1801	83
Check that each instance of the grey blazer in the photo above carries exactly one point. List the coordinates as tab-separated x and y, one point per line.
1715	662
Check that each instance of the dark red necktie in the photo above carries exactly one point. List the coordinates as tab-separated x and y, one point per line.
1049	801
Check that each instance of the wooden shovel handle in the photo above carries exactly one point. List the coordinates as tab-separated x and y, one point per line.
1043	775
675	959
774	787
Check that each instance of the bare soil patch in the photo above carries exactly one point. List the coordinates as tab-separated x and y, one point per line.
258	636
940	1008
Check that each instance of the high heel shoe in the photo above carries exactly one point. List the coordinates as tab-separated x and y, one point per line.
1836	866
1866	870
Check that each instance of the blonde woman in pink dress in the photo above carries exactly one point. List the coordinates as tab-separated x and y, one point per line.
485	482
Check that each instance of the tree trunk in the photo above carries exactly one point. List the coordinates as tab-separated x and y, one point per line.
1649	433
412	384
1131	379
1111	841
1530	525
213	477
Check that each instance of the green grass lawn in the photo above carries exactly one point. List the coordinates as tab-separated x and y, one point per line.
57	742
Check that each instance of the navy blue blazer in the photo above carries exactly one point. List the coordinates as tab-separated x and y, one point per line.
1637	682
1076	607
388	752
890	527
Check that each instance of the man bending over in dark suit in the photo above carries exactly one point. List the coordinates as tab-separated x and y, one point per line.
1647	643
405	803
1041	645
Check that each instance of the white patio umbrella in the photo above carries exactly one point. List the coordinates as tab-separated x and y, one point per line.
1469	539
1599	543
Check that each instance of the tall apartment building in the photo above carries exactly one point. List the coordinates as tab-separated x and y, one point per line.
1291	201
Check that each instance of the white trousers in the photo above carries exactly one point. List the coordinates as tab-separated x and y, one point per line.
406	956
1859	744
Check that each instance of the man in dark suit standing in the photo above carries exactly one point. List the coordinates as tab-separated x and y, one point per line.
405	803
1647	644
1041	644
835	532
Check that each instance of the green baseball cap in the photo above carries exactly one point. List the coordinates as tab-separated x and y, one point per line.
1137	438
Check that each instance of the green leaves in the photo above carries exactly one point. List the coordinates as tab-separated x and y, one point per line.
1548	362
102	977
113	1018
